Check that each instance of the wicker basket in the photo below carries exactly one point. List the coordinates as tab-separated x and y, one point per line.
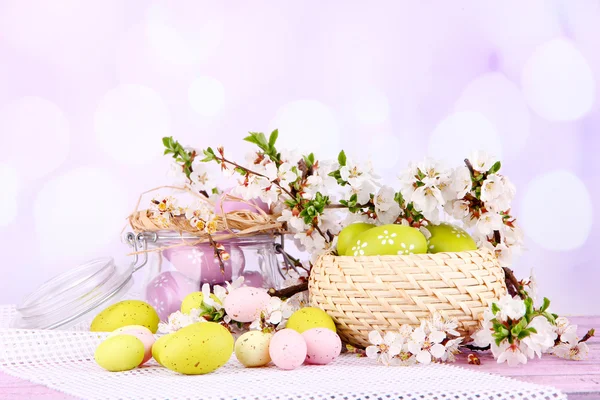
385	292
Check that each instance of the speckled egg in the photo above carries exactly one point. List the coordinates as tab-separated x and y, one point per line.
120	353
124	313
252	348
347	236
200	264
389	240
140	332
287	349
322	346
246	303
198	349
449	238
159	346
166	292
310	317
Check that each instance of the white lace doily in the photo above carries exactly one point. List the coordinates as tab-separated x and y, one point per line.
63	360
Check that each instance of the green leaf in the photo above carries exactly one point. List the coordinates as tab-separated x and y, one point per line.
495	308
168	141
273	138
495	168
516	330
545	305
523	334
342	158
549	317
531	330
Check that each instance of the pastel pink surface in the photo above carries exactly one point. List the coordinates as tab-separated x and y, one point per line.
199	263
580	380
253	279
287	349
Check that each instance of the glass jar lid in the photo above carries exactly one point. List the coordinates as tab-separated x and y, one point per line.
71	295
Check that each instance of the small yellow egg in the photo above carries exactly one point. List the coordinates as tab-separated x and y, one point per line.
191	301
120	353
310	317
252	348
124	313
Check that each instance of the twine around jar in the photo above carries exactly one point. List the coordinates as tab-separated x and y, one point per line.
382	293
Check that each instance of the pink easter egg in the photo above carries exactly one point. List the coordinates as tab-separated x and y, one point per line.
246	303
167	290
200	264
140	332
230	205
322	345
287	349
253	279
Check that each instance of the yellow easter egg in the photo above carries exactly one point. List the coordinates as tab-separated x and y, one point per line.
310	317
191	301
124	313
252	348
160	345
389	239
198	349
120	353
449	238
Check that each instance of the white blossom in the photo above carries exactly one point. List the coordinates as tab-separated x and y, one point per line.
458	209
178	320
383	349
566	331
386	207
539	342
426	346
572	350
481	161
510	307
511	353
275	314
483	337
489	222
441	323
491	189
296	224
461	182
202	178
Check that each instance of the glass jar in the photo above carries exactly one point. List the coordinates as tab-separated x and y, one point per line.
180	267
169	269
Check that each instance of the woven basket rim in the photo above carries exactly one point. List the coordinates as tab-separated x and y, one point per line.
449	254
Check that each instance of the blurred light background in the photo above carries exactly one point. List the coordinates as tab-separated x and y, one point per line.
88	88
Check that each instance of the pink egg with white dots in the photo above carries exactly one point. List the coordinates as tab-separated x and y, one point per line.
142	333
166	292
287	349
322	345
246	303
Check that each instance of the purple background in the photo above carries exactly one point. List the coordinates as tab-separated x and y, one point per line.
87	89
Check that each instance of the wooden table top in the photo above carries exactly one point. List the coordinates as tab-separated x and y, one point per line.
579	379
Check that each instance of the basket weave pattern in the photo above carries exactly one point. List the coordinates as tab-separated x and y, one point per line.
384	292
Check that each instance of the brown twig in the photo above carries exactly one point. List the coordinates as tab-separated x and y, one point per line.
289	291
470	166
512	283
217	254
588	335
475	348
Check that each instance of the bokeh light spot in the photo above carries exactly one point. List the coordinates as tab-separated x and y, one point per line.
9	183
34	129
78	213
206	96
501	102
551	221
461	133
308	126
557	81
130	121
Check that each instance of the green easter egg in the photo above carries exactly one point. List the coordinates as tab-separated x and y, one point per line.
124	313
120	353
347	236
310	317
389	240
449	238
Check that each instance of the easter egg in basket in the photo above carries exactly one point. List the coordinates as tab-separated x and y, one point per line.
347	236
199	263
388	240
449	238
167	290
